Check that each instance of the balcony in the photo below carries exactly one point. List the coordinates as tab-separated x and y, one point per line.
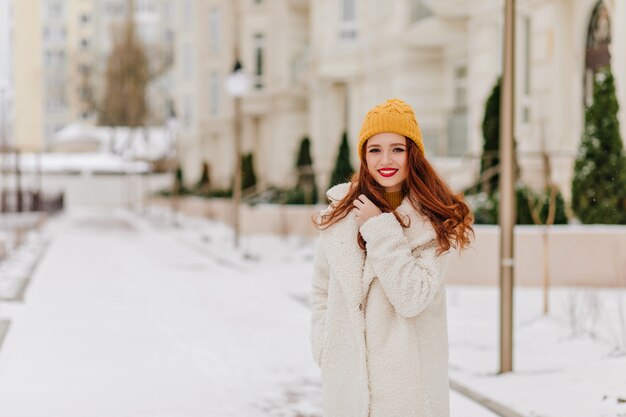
434	31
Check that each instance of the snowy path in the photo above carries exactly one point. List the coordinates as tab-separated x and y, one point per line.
125	318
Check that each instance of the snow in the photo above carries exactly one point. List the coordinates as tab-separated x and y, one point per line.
102	150
18	259
148	143
158	315
83	163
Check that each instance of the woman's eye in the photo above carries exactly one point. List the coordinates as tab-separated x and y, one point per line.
374	150
398	150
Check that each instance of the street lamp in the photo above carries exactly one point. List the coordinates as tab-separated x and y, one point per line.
237	84
172	128
507	191
3	139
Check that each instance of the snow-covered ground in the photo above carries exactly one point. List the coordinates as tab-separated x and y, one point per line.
157	315
21	245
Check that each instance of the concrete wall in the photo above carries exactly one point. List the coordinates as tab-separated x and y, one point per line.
28	72
97	190
578	255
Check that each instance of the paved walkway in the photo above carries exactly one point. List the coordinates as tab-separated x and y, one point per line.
126	318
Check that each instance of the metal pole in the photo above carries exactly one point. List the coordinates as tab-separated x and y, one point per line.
3	146
18	181
237	176
507	191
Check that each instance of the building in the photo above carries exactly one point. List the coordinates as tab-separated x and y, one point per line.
97	25
6	72
363	53
62	82
318	66
444	57
271	39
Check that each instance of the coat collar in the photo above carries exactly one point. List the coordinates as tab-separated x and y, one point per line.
420	230
344	253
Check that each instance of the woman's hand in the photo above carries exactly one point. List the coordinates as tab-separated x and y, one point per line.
365	209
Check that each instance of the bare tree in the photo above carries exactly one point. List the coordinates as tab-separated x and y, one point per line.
536	208
127	77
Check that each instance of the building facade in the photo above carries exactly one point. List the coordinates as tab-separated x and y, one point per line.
270	38
316	68
7	83
444	58
65	79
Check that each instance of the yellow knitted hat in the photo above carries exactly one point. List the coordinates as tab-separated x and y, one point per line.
393	116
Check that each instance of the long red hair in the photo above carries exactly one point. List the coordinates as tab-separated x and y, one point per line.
448	213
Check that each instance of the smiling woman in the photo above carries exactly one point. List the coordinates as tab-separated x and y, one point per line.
386	159
378	325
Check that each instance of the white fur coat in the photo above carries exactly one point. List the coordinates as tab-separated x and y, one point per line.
378	328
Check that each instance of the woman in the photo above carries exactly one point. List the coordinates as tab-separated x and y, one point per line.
378	328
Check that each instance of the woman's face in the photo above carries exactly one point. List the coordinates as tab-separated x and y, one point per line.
386	158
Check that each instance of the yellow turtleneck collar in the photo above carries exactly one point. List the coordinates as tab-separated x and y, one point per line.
394	199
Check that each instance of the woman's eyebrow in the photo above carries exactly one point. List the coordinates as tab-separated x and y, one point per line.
393	144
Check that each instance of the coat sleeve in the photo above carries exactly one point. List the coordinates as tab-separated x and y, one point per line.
318	299
410	282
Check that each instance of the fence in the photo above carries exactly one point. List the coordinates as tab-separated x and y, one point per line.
29	201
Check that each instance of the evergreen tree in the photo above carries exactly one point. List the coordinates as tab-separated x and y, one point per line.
179	182
204	183
306	186
248	177
491	137
304	154
343	168
127	77
599	184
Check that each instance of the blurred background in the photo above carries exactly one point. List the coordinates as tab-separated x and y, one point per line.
160	161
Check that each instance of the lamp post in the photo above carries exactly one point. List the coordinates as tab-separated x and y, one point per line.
507	191
3	140
237	85
172	127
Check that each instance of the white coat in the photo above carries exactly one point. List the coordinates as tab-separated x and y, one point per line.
378	326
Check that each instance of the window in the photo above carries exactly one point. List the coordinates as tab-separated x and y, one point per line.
84	43
597	55
84	69
84	93
215	94
187	62
347	10
457	119
54	10
188	113
258	60
115	9
84	18
188	13
419	10
347	21
460	88
54	58
214	30
55	104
